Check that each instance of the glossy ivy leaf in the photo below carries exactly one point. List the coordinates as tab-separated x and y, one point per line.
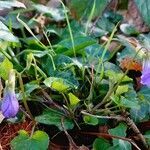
113	16
128	29
73	100
77	30
53	117
142	113
5	67
90	120
59	84
85	10
144	40
38	141
128	52
62	64
9	4
120	130
30	87
125	103
6	35
105	24
94	53
143	94
144	7
101	144
56	13
115	77
65	47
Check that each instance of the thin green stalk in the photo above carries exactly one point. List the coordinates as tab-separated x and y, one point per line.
24	96
40	71
69	28
53	64
13	55
29	30
5	54
54	67
36	75
105	50
48	41
90	17
111	90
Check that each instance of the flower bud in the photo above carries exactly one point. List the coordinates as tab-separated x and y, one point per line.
145	78
10	105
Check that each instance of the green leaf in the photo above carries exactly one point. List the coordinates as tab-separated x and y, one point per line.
144	7
123	145
115	76
65	46
94	53
126	103
90	120
122	89
142	113
143	94
38	141
73	100
77	30
5	67
101	144
120	130
81	9
55	13
9	4
6	35
105	24
30	87
128	29
53	117
144	40
59	84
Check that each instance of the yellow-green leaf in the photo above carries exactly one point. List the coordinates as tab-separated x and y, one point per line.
122	89
5	67
73	99
57	84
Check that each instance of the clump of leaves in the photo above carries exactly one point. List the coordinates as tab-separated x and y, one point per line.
67	76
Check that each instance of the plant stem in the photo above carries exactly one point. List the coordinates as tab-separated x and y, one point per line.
24	97
69	28
111	90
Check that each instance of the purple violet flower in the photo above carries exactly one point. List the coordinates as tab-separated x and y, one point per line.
145	78
10	105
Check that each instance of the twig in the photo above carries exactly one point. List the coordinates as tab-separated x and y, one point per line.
71	142
132	125
112	136
25	113
72	145
128	121
118	118
52	102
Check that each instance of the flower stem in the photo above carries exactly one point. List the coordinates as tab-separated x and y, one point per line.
24	96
